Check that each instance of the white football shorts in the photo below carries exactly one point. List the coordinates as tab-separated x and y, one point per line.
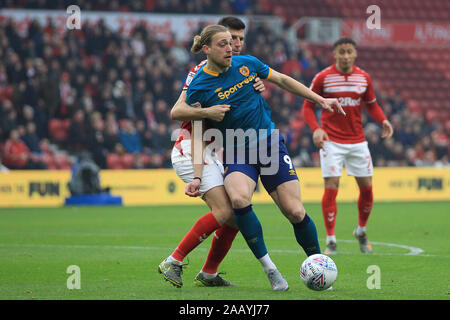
212	171
354	157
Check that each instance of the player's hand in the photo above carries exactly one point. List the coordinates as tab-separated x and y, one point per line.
259	85
388	131
217	112
192	189
330	104
319	136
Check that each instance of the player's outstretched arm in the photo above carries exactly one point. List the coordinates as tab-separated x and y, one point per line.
293	86
184	112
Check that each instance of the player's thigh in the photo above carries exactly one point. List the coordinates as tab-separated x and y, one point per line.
358	162
287	196
332	158
240	188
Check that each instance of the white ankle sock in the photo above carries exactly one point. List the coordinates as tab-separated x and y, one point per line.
172	259
208	275
331	238
360	230
267	263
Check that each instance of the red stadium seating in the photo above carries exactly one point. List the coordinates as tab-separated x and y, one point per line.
146	159
58	129
113	161
127	160
421	10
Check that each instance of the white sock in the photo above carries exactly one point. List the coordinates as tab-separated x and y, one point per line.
360	230
172	259
331	238
267	263
208	275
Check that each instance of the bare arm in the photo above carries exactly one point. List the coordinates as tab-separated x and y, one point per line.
293	86
197	153
184	112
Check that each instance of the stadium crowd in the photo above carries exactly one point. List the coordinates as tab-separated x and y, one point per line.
114	94
158	6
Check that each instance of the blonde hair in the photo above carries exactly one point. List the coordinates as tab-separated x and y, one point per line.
205	37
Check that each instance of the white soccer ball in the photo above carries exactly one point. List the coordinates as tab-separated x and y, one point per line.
318	272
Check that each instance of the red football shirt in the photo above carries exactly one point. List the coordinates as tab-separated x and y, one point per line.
186	126
353	90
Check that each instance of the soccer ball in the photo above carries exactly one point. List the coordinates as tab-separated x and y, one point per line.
318	272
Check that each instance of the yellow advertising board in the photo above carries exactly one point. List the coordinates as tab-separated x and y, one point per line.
162	186
33	188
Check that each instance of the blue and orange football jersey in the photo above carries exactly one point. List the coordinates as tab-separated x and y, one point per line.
248	109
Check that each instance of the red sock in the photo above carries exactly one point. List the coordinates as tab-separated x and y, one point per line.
365	203
329	210
221	244
199	232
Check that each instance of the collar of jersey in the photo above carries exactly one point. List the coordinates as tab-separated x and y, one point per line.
211	72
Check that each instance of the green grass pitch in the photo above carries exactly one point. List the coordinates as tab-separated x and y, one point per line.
118	250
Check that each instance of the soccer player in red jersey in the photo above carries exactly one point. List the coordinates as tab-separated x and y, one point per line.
341	139
220	219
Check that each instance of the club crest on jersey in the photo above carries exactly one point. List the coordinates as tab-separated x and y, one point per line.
244	71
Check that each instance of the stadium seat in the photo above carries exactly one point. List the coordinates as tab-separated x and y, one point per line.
146	159
127	160
58	129
431	115
113	161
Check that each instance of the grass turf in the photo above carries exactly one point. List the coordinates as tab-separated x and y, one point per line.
118	250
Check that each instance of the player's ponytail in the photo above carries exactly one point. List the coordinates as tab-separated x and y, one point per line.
205	37
197	45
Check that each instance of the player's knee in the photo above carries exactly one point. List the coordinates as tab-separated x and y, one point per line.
240	201
296	215
332	183
223	214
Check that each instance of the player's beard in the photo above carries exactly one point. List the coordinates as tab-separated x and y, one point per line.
221	63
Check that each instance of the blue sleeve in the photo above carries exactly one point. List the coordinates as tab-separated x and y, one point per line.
194	95
261	69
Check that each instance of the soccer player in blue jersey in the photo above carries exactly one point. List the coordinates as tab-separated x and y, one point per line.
225	79
220	219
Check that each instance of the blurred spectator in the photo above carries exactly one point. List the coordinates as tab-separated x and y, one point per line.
137	78
31	139
129	137
78	137
16	154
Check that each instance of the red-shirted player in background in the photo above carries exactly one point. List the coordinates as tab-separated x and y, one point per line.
341	139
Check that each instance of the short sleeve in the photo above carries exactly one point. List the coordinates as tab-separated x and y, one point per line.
194	95
260	68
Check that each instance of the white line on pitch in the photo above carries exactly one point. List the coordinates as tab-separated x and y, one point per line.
413	251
